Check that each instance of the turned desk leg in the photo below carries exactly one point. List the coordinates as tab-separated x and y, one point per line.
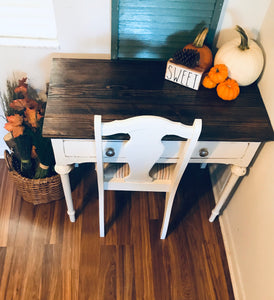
236	172
64	174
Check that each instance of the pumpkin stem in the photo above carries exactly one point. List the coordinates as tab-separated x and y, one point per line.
200	38
244	38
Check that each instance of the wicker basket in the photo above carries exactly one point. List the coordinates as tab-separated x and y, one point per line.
35	191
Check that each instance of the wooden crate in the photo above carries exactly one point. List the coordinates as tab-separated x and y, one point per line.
183	75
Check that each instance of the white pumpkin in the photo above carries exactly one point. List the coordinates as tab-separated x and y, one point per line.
243	58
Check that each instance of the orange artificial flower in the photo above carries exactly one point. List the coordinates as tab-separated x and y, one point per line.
14	125
21	104
17	131
22	82
16	119
22	87
32	104
32	117
33	152
18	104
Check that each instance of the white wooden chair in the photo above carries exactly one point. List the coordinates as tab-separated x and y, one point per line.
135	167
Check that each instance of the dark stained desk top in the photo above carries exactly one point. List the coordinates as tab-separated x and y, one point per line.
81	88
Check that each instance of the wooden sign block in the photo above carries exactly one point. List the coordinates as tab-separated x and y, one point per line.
183	75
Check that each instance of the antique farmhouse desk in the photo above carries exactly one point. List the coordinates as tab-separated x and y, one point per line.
80	88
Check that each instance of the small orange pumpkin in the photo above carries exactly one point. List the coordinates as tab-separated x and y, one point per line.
218	73
228	90
208	83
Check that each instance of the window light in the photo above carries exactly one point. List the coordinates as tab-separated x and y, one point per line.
27	23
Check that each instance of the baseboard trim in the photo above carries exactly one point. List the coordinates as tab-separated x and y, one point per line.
234	269
231	254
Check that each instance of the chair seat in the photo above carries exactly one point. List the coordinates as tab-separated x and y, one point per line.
121	170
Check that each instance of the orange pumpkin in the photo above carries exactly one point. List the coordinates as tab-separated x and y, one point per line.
206	57
208	83
218	73
228	90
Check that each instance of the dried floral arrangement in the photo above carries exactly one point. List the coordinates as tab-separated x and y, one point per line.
24	113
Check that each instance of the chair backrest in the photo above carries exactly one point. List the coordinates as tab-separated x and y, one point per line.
144	148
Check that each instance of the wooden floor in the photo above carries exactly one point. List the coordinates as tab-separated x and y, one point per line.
44	256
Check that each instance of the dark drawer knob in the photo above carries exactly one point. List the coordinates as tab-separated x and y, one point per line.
110	152
203	152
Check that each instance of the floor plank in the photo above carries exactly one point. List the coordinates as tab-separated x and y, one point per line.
44	256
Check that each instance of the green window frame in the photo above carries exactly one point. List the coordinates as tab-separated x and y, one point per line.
155	29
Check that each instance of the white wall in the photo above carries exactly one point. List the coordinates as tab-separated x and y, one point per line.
249	14
84	30
248	221
83	27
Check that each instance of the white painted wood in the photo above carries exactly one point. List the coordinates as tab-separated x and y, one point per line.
68	152
64	174
100	171
183	75
233	263
235	173
237	153
141	152
219	177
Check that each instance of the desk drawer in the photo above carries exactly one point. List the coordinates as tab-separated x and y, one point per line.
203	150
220	150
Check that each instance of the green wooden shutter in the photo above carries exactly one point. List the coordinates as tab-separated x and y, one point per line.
155	29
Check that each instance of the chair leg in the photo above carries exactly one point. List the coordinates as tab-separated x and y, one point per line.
167	212
101	212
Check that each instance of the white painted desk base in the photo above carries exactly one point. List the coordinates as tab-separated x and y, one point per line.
237	154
